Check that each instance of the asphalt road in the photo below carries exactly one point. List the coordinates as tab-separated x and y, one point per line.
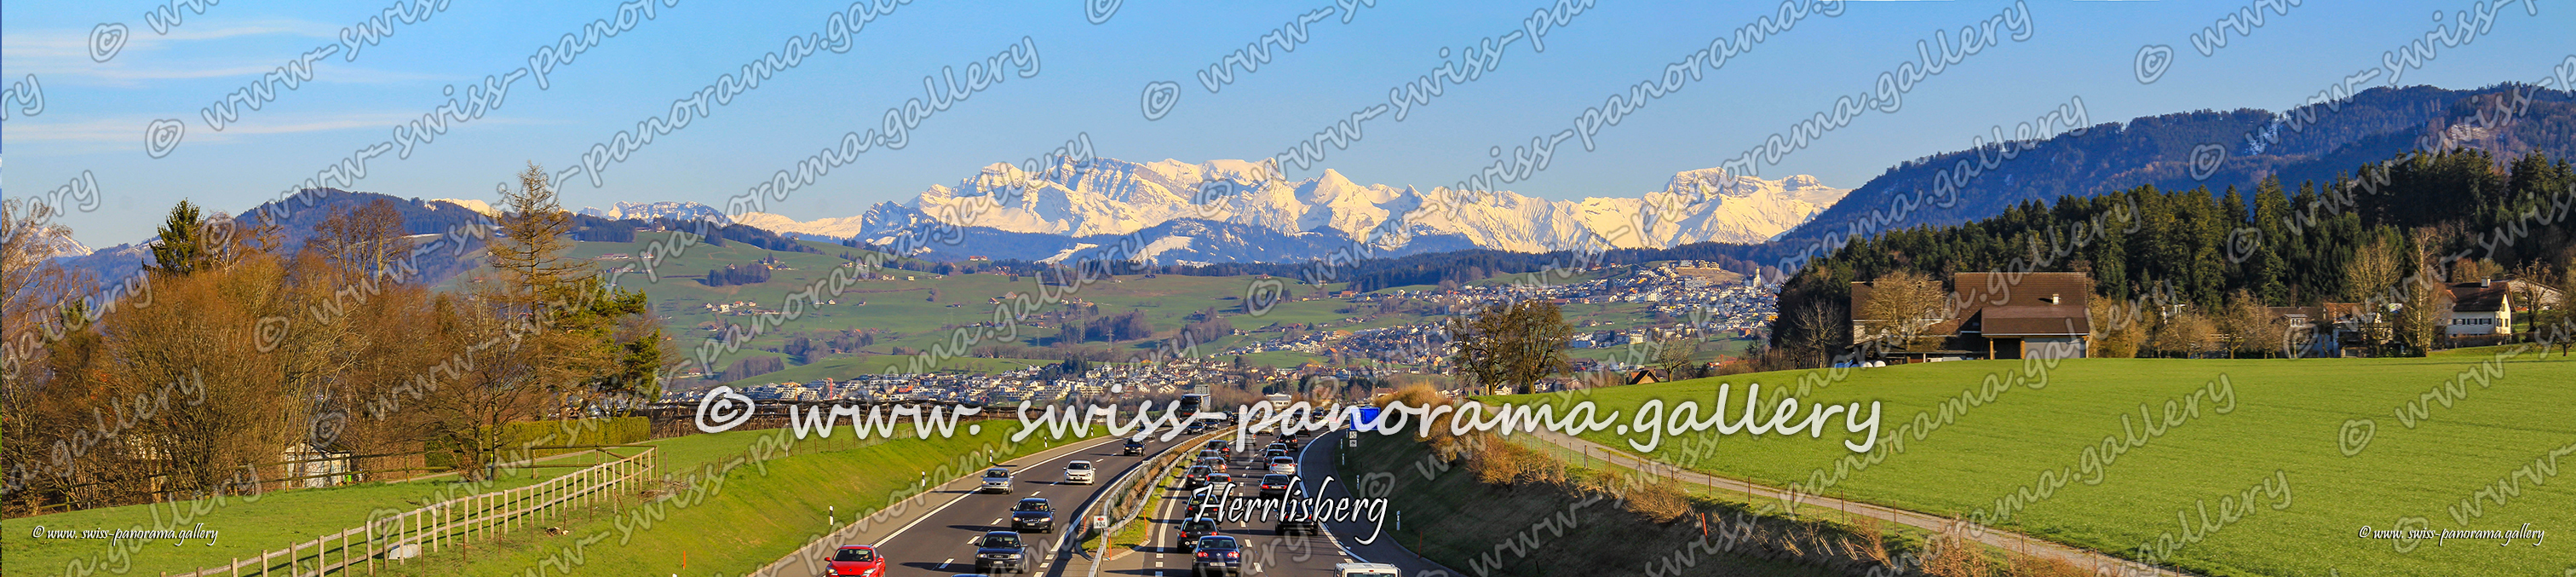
1267	553
942	543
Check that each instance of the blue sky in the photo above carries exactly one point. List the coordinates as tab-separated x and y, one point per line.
1089	80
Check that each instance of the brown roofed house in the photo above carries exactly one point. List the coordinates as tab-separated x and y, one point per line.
2008	316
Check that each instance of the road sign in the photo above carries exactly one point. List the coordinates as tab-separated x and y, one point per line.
1099	522
1362	418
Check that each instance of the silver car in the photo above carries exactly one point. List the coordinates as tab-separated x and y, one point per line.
997	480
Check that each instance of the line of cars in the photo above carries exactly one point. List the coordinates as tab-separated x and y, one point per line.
996	552
1006	551
1202	534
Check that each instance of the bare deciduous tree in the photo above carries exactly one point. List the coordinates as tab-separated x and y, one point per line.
1901	306
1511	344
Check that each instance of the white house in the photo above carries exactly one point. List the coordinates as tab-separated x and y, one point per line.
2481	308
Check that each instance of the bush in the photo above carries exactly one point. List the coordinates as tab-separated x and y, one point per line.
609	431
1660	500
1951	554
575	432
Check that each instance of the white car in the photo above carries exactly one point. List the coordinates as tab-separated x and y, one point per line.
997	480
1283	465
1365	570
1078	473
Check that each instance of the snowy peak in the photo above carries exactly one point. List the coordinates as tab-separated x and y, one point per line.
478	206
1097	197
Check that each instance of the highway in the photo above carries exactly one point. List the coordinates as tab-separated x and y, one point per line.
943	542
1265	551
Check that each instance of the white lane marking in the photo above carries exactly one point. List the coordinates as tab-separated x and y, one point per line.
997	520
945	564
1035	493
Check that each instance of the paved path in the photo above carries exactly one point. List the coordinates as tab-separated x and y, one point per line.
2091	561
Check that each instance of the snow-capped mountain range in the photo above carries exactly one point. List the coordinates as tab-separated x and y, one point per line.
1231	210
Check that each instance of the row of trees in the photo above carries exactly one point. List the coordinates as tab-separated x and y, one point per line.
737	275
242	348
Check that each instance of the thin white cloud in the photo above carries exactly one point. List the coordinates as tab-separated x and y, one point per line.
129	130
147	56
287	27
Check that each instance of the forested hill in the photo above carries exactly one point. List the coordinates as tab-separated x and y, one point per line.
296	216
2293	245
2236	149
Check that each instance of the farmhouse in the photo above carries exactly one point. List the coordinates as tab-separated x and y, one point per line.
2481	308
1988	316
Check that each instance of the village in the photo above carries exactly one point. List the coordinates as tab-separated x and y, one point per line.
1688	299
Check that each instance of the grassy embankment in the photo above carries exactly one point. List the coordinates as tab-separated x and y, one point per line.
2023	449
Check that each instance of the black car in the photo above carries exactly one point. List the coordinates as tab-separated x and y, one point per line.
1274	485
1221	446
1033	515
1195	527
1134	447
1218	555
1002	552
1197	477
1196	428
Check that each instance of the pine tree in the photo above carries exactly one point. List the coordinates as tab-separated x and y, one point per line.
182	248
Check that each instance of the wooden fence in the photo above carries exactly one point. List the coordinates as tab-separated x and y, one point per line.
452	523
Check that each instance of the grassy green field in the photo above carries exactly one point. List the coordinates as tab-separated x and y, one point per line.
245	523
2023	451
761	510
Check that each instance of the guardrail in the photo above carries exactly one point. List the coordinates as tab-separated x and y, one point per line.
1129	494
450	523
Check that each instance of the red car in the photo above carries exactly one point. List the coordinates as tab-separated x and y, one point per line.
857	561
